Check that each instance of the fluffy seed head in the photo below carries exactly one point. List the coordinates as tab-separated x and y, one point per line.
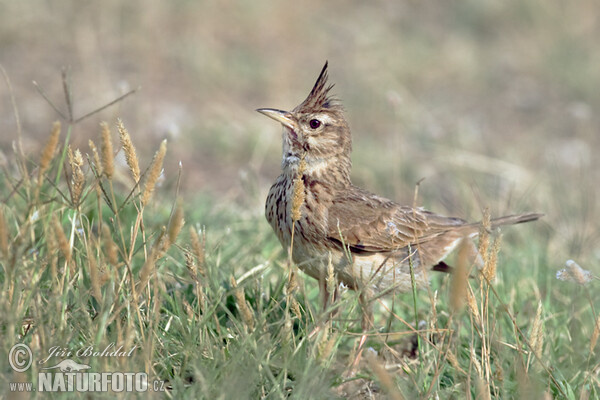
108	162
129	149
154	173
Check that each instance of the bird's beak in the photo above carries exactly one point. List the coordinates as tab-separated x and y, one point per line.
284	117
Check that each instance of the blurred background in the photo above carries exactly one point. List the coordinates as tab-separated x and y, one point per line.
493	103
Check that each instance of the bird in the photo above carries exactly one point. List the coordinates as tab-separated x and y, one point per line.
374	244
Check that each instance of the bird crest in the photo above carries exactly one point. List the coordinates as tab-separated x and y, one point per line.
319	97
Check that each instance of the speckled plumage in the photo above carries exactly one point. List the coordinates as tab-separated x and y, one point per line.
372	240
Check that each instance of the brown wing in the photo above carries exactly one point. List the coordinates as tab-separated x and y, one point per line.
367	222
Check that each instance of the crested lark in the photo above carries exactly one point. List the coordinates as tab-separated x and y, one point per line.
372	241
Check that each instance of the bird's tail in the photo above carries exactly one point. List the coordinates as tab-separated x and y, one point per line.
515	219
473	229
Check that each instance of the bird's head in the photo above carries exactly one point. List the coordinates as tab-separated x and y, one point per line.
315	131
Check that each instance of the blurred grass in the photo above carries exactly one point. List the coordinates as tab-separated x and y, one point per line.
492	103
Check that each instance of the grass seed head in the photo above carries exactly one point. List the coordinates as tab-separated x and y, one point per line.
299	194
108	158
536	337
110	247
484	235
198	248
129	150
154	172
61	238
49	149
78	179
595	335
96	157
176	223
460	278
491	260
244	309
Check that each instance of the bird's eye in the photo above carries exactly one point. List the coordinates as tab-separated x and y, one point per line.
314	123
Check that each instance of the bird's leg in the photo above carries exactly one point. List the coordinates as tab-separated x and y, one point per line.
366	325
327	299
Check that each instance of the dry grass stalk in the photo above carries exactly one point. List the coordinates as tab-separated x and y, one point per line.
458	289
331	281
154	173
384	377
49	150
110	246
96	157
536	337
299	194
483	388
491	260
191	265
476	363
129	150
52	247
77	179
472	305
94	276
63	243
295	306
326	345
175	224
198	249
484	235
147	270
595	335
454	362
108	160
3	234
244	309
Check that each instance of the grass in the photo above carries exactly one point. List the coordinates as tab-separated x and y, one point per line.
204	294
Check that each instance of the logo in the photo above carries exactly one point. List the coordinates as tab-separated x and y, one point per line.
69	375
20	357
69	366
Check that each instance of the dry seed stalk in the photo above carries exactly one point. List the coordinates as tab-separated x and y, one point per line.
198	248
484	235
331	281
472	305
154	173
299	194
595	334
295	307
129	150
49	150
3	234
536	338
175	224
110	246
108	161
94	276
147	269
63	243
460	278
191	266
96	156
78	179
240	300
384	377
489	268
